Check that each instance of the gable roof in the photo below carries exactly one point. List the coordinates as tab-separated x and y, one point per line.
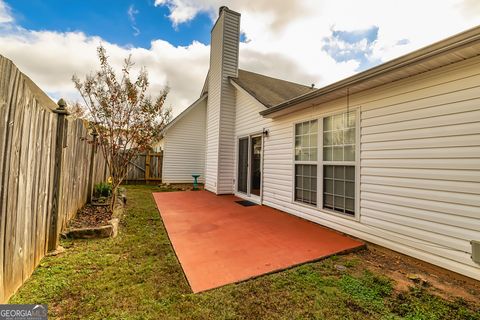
267	90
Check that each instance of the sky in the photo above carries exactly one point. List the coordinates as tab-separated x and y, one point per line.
305	41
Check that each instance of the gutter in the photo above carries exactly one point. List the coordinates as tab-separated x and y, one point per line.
452	43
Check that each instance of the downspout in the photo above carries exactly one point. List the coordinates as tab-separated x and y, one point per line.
264	134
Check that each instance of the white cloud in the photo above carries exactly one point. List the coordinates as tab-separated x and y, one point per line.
132	13
285	39
279	13
295	31
5	15
51	58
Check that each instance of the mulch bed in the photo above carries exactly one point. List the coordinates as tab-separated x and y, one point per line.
91	216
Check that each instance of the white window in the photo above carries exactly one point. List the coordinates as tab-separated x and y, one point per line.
339	163
335	163
306	150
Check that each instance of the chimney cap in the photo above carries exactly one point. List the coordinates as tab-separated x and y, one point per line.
221	9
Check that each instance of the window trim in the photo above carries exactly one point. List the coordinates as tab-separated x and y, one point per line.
320	163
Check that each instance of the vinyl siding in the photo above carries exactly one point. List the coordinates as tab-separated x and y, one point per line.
221	104
184	147
247	122
247	119
213	107
419	164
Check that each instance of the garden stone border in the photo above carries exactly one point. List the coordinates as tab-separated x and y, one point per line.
108	231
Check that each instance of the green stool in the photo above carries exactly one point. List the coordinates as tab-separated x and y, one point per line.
195	181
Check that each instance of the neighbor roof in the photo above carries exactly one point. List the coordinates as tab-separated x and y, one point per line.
267	90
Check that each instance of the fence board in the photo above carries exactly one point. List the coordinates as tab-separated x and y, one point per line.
11	277
4	116
23	221
145	167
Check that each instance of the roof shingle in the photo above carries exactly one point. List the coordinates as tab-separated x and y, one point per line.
267	90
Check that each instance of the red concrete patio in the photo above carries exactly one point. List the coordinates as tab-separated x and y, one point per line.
218	241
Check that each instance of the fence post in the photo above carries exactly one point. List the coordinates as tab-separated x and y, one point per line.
53	234
94	135
147	166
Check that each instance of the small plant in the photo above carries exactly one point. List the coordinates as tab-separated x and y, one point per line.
102	189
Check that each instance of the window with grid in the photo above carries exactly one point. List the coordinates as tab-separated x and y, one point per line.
306	150
339	163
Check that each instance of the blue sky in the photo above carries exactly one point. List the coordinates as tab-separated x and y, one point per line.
124	22
352	45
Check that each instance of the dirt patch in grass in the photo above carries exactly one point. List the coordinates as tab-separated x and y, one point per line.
91	216
137	276
408	272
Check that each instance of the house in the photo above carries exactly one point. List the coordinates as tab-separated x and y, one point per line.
390	155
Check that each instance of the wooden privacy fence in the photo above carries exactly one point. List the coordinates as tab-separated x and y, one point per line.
47	172
145	167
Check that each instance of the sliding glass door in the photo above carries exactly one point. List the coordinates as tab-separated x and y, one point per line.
243	165
249	173
255	165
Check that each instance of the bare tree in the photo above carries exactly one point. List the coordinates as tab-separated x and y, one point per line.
75	109
125	117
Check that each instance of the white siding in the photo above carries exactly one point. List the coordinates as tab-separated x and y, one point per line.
184	147
247	121
221	103
227	110
213	108
419	160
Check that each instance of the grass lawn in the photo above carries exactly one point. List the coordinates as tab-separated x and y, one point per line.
137	276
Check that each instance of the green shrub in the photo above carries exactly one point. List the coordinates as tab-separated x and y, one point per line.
102	189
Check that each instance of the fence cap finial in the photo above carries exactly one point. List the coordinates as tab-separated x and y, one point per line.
62	107
62	104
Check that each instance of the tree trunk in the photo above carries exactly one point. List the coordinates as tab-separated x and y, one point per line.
113	199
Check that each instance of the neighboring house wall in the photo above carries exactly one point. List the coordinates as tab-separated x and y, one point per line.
158	146
419	161
184	147
221	103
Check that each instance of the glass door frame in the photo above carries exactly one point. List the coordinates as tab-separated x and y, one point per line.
248	194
